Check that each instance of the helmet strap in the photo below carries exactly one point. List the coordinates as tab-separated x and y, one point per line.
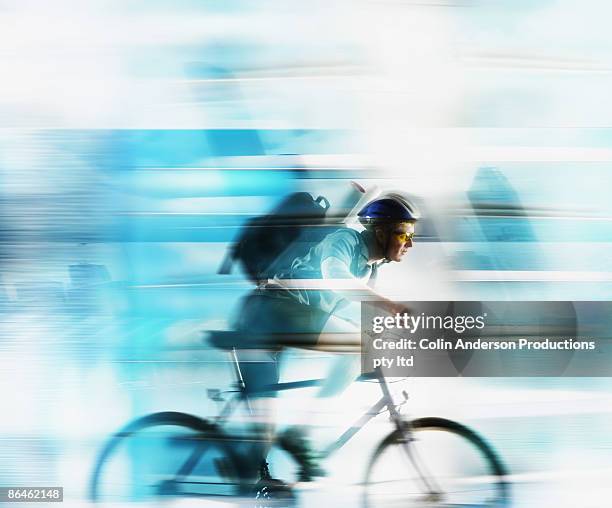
384	245
387	244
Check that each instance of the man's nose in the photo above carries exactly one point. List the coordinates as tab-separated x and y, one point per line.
409	243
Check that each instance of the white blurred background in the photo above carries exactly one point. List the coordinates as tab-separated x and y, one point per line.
137	137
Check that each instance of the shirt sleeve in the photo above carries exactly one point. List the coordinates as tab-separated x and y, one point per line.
337	254
333	268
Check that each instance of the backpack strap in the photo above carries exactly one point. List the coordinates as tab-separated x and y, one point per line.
228	261
322	202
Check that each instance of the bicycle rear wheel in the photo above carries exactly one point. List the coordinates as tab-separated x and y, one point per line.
457	468
165	454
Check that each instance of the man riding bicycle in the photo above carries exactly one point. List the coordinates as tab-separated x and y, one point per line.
289	312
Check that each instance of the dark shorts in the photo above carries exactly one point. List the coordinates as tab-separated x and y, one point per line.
268	324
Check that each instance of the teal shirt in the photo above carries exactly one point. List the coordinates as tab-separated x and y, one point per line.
346	245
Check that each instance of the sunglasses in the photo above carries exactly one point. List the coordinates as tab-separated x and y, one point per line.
403	236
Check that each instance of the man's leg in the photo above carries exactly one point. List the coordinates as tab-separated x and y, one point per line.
346	366
259	369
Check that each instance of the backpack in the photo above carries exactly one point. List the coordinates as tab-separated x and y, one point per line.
270	243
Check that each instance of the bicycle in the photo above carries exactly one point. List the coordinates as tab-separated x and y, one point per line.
411	464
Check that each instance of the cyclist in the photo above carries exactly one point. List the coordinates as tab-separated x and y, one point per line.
286	313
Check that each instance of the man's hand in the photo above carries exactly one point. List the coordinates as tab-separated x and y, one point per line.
401	308
392	308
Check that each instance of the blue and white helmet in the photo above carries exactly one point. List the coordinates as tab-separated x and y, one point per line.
388	210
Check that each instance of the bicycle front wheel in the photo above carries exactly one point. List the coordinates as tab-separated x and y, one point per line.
165	454
441	464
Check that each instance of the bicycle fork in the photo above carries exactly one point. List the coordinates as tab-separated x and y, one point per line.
433	491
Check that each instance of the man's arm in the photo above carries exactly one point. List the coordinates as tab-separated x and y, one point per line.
334	269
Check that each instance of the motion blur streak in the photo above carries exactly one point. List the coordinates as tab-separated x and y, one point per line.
137	138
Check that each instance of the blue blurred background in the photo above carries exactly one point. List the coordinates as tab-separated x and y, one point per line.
138	137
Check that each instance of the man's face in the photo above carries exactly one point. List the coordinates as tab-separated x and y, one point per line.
400	240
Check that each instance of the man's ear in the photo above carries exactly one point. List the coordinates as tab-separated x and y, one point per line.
380	235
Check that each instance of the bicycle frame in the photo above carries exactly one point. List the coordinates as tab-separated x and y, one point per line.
242	395
234	468
386	401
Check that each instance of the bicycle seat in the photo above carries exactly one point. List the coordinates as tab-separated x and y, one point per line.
222	339
228	339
